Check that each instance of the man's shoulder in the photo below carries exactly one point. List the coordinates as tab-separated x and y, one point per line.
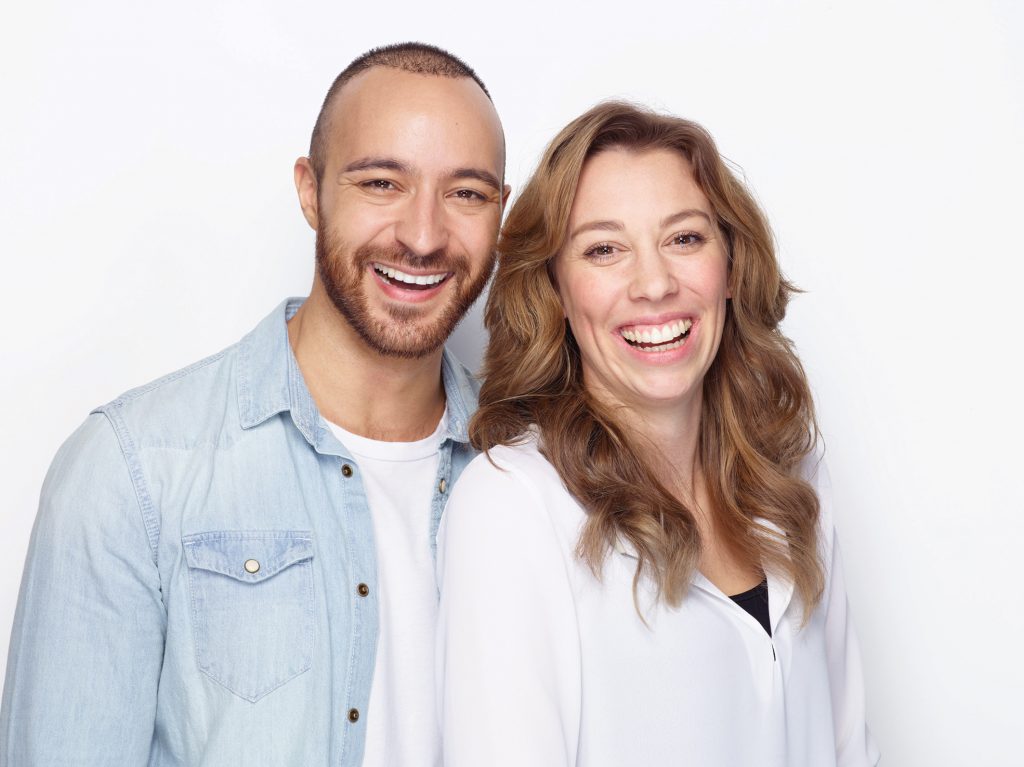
209	399
98	472
179	383
176	402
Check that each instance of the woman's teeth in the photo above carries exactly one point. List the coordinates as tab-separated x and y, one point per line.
658	338
408	280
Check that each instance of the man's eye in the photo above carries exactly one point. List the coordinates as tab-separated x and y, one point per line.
470	195
379	184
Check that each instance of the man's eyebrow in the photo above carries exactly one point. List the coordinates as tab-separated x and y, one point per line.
397	166
376	163
483	176
682	215
603	226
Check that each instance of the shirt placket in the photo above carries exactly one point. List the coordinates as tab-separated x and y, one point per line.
360	590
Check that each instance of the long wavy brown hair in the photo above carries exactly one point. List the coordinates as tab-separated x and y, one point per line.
757	421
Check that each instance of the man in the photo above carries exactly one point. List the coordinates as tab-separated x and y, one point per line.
234	564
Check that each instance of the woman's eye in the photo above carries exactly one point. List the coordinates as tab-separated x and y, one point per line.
601	250
687	239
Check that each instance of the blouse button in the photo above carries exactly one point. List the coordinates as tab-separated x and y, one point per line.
251	566
442	486
346	470
363	590
353	715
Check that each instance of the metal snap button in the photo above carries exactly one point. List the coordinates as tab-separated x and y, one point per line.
363	590
251	566
353	715
346	470
442	487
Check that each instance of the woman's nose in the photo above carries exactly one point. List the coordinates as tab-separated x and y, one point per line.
652	278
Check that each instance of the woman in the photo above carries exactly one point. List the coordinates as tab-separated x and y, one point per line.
641	570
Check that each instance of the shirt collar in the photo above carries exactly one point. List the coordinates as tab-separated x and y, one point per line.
270	382
780	586
460	390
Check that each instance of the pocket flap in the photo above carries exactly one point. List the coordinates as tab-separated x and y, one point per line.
248	556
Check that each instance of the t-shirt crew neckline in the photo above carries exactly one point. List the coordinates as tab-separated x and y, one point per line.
395	452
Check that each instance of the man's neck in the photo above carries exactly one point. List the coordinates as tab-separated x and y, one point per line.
359	389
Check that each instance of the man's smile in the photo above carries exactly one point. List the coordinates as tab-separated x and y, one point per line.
393	276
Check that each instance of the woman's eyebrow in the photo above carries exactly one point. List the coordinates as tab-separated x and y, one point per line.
602	226
682	215
616	226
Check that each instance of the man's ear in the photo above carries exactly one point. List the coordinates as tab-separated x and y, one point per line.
505	192
305	185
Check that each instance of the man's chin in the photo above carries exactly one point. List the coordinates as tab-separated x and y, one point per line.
405	332
402	345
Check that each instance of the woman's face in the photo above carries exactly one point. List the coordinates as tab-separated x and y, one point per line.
643	279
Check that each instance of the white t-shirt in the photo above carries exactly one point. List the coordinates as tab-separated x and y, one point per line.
542	664
399	477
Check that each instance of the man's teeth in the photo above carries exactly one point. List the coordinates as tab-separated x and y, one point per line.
409	279
663	337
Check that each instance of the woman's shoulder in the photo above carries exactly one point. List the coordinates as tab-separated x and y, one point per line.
814	471
521	462
513	481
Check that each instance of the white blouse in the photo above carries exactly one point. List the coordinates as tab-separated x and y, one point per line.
540	664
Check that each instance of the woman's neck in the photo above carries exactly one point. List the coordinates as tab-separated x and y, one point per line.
669	439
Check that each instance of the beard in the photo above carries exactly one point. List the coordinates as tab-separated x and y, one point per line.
406	331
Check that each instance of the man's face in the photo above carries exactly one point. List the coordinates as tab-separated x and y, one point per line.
409	206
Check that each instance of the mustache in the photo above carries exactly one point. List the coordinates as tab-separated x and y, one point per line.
396	255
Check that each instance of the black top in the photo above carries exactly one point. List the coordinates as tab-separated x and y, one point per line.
755	602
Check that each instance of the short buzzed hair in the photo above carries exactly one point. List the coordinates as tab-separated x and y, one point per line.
418	58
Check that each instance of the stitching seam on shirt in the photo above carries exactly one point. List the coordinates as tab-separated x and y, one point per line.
140	391
150	518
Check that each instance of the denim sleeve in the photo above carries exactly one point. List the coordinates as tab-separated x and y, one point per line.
88	636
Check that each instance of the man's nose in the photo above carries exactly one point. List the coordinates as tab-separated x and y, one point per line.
422	228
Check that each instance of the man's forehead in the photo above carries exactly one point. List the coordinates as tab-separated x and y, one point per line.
383	108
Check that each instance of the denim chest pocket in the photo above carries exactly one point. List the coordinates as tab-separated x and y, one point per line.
252	607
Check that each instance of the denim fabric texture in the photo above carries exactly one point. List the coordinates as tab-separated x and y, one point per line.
280	610
201	584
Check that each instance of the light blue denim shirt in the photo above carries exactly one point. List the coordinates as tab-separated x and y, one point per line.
201	585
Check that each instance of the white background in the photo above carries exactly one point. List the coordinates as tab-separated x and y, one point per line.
148	218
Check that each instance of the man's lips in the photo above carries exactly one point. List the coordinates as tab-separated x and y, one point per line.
408	281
